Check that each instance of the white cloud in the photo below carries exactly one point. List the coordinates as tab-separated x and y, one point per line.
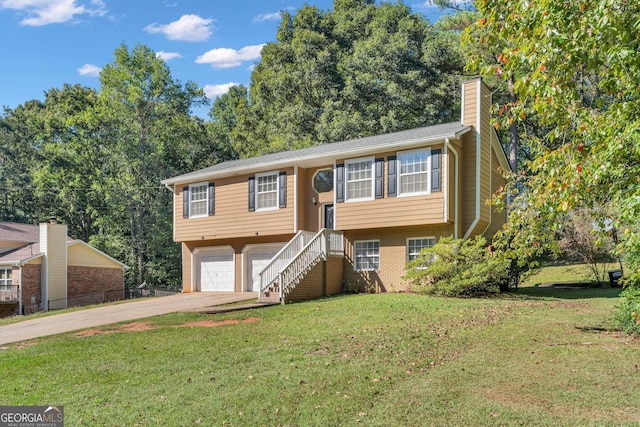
89	70
43	12
167	56
228	58
190	28
275	16
214	91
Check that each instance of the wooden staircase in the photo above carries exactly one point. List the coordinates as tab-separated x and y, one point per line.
291	265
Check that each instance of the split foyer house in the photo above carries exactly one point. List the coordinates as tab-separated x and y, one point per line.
42	268
301	223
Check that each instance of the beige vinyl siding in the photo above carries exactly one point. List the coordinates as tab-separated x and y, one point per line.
312	214
82	256
397	211
305	192
53	241
468	181
486	165
470	102
451	184
232	217
476	93
391	212
498	218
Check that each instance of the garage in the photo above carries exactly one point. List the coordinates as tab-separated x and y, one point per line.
216	270
257	257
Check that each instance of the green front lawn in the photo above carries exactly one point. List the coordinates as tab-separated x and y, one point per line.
529	358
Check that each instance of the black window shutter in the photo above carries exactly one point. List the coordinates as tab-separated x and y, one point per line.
185	202
392	184
379	178
340	183
282	189
252	193
212	199
436	170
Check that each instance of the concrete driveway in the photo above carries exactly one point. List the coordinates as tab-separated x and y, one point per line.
130	310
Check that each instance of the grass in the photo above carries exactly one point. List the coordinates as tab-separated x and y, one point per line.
542	356
568	273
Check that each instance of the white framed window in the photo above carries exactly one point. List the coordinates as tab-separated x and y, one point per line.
414	170
267	191
359	179
417	244
367	255
5	278
198	200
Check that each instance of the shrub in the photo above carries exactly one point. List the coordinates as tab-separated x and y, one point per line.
459	268
628	315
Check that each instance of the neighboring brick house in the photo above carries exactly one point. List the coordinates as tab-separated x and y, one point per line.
42	268
301	223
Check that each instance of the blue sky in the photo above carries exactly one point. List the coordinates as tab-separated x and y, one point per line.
47	43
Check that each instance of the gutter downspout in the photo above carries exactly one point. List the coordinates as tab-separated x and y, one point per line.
295	198
445	181
455	187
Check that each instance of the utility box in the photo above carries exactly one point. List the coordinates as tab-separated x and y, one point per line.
614	278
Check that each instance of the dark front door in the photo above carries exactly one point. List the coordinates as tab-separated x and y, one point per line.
328	216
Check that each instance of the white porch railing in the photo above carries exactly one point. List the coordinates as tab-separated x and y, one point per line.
270	272
326	243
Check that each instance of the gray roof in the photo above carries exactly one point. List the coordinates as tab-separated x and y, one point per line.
323	154
21	254
15	232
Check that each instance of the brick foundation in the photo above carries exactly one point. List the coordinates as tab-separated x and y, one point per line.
393	256
31	290
91	285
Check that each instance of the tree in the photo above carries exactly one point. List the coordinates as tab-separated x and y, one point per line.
361	69
586	237
575	66
223	127
70	175
20	135
458	267
146	115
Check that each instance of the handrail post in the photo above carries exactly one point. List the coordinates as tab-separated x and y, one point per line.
280	287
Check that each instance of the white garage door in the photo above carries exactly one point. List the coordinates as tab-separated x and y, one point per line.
257	259
216	270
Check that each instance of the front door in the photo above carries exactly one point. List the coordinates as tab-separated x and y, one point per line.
327	221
